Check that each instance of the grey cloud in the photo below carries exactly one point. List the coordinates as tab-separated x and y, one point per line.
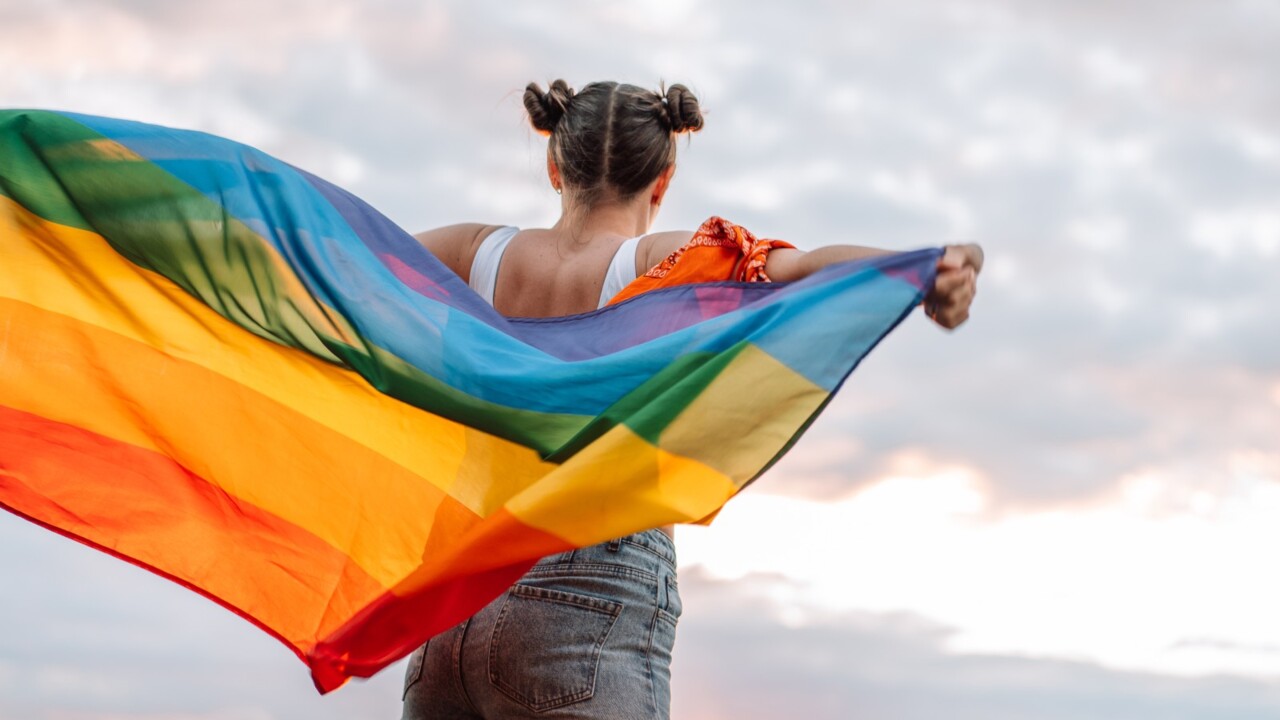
425	97
735	659
86	636
1216	171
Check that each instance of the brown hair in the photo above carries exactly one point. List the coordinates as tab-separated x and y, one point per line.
611	138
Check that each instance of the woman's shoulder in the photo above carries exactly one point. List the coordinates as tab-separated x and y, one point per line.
455	245
655	247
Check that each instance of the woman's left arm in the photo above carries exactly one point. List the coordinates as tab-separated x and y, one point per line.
455	245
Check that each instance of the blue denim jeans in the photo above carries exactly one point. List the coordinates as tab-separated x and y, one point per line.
585	634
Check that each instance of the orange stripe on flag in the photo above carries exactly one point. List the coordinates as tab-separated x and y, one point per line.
77	274
145	508
251	448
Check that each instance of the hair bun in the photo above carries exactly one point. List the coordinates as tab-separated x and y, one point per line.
546	109
683	110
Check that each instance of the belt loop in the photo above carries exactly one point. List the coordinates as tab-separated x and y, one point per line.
615	545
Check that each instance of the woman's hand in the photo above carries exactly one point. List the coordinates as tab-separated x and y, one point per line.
957	282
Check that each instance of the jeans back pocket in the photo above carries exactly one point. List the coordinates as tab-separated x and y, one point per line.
413	673
545	647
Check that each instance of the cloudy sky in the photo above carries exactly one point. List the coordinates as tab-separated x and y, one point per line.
1066	509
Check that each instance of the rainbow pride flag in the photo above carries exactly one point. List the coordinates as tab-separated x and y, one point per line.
230	372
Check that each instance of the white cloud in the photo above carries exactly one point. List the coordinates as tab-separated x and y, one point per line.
918	191
1120	582
1112	69
1104	235
1233	233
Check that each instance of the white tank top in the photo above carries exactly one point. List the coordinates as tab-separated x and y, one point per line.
484	268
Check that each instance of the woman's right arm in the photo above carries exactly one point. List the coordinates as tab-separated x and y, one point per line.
947	304
455	245
784	264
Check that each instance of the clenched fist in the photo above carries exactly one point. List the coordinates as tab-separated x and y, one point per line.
948	303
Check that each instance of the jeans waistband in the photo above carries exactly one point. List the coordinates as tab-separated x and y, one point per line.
655	541
654	545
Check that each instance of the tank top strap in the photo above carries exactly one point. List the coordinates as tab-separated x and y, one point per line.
621	271
484	268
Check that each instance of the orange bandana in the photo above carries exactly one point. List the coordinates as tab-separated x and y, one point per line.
718	251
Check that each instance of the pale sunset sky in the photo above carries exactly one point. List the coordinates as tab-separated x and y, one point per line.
1065	509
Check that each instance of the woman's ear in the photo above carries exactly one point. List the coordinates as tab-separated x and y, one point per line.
553	174
661	184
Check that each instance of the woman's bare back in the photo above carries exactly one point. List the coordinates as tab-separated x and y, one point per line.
543	275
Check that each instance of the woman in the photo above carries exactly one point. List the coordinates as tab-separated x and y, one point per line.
589	633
